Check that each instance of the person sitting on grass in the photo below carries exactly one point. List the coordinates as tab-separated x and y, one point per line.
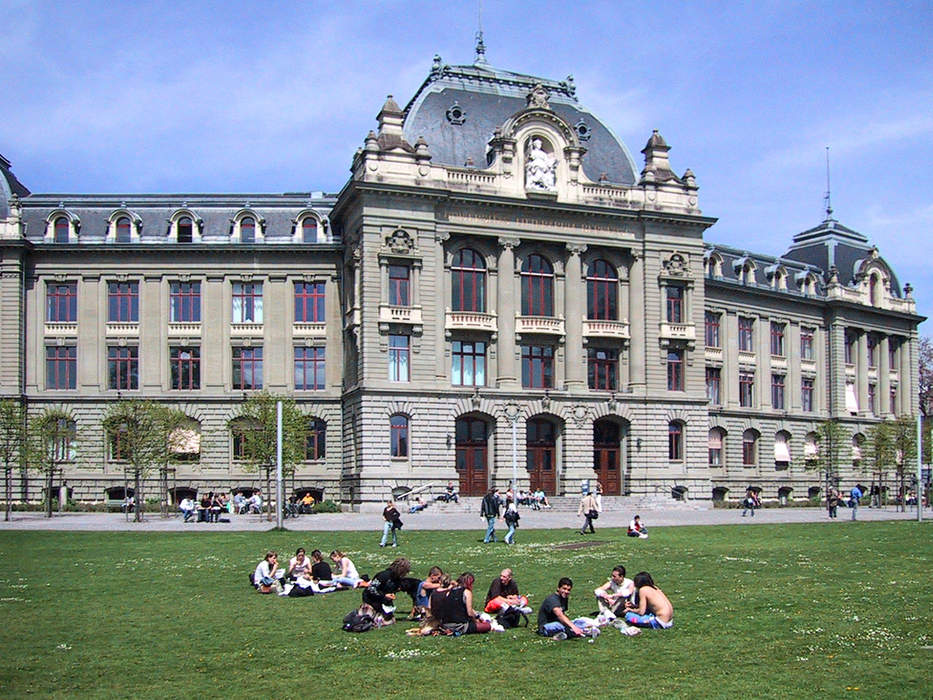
266	573
611	596
348	577
636	528
552	615
456	614
298	565
380	593
654	609
320	569
422	592
503	594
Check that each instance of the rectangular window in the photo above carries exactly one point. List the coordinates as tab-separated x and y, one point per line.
806	394
399	285
746	389
675	370
872	395
777	339
309	302
714	385
185	302
61	366
749	449
537	366
777	391
850	348
247	302
123	302
602	369
247	368
746	334
468	363
872	350
712	330
715	448
893	401
123	367
185	366
62	302
309	368
675	304
675	442
806	343
399	358
892	354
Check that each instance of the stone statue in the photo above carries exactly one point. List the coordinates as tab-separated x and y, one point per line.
540	168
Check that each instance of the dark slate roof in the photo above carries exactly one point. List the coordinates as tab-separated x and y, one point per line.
9	186
733	259
154	212
833	244
487	97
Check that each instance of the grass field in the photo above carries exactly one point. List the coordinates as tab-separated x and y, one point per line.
827	609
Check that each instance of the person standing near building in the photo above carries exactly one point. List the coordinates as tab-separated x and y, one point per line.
392	524
511	518
589	509
489	509
855	495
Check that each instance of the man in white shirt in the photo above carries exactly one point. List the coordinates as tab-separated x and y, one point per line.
187	508
611	596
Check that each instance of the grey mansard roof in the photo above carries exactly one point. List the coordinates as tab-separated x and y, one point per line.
486	97
9	186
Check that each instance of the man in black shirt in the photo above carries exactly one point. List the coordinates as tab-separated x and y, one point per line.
503	592
552	617
490	510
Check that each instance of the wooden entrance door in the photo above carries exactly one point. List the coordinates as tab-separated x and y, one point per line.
607	450
472	451
541	451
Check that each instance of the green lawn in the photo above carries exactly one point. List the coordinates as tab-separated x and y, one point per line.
824	609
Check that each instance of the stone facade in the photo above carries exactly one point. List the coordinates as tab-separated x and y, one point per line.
524	317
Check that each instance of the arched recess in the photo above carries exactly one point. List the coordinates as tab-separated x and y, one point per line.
472	432
542	442
610	452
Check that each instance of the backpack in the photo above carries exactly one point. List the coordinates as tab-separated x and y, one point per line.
359	620
511	617
512	516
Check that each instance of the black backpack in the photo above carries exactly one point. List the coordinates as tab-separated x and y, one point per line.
360	620
512	516
512	617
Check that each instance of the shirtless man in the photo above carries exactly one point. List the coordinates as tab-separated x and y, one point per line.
654	610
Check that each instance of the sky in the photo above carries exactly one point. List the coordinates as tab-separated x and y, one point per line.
276	97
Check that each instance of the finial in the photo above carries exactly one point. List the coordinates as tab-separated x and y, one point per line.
480	48
826	197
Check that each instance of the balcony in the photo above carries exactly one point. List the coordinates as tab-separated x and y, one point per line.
309	330
470	321
246	330
778	362
186	329
678	331
713	354
747	357
547	325
605	329
123	329
58	329
408	315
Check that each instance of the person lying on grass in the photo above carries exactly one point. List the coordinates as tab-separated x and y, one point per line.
654	609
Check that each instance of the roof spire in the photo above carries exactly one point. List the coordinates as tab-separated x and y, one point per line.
480	44
826	197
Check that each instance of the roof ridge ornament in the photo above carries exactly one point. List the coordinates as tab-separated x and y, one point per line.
480	49
537	98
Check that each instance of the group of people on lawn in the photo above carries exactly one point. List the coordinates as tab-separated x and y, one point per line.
444	605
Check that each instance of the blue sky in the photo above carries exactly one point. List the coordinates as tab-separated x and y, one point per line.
276	96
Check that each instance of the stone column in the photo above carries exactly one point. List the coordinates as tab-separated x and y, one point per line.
884	378
636	314
505	301
729	375
215	337
276	316
861	373
92	324
574	311
333	351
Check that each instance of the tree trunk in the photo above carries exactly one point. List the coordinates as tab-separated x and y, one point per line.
9	492
137	492
269	493
48	495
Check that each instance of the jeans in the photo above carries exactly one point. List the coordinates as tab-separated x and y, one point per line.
490	529
510	535
345	581
386	530
552	628
854	508
420	597
588	523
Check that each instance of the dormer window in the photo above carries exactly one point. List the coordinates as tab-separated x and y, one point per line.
62	229
873	290
247	230
185	230
124	230
185	226
309	230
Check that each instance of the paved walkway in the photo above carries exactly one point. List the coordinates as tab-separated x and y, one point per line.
445	521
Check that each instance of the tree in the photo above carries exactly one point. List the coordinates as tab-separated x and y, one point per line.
50	440
12	440
878	453
141	432
925	352
904	439
831	440
254	431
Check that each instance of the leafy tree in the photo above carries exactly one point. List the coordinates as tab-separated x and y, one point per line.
904	439
878	453
255	430
142	433
832	438
12	439
925	352
50	438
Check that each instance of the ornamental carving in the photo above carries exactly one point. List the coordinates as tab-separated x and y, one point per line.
540	167
400	242
676	266
537	98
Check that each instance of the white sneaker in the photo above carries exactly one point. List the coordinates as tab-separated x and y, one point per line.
496	627
526	609
485	617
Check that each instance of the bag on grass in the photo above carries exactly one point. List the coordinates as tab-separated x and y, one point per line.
359	620
512	617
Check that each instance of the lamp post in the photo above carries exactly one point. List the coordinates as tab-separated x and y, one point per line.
511	412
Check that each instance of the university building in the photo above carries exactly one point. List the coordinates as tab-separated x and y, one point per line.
498	292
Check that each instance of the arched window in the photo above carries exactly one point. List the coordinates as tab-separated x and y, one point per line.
309	230
241	431
675	441
782	450
717	437
61	229
67	433
124	229
247	230
873	290
398	427
185	230
602	285
811	448
315	439
468	281
750	448
185	442
537	287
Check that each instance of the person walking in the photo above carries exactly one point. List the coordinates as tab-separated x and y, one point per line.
489	509
751	502
589	509
511	518
855	495
832	502
392	524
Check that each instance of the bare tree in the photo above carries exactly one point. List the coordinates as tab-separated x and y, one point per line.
12	439
832	438
141	432
904	439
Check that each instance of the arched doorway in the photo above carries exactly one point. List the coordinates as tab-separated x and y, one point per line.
472	453
541	455
607	455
